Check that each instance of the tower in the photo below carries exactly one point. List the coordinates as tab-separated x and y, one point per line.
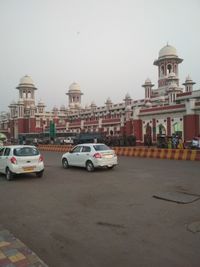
188	84
74	96
167	62
148	88
27	89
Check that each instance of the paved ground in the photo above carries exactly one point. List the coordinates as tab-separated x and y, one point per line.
14	253
106	218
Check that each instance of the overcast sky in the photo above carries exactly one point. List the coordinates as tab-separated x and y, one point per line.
106	46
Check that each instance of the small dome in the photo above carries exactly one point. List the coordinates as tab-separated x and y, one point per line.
77	105
148	104
128	108
62	107
71	105
26	80
127	96
20	101
147	80
93	104
188	78
55	108
108	101
171	75
167	50
173	85
74	87
41	104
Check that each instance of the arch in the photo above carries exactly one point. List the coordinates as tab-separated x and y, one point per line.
161	129
169	68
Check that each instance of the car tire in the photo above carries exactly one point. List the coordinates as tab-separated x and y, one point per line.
39	174
9	174
65	163
89	166
110	167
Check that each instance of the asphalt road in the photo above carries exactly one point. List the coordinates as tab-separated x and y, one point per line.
108	218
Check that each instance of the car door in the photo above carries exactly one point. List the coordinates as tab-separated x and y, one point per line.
1	158
74	156
84	155
5	159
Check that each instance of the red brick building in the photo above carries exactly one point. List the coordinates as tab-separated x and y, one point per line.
167	109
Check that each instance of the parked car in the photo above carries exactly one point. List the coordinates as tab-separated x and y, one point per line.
90	156
195	144
19	159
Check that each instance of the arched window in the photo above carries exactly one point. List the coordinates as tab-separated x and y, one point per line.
162	69
169	68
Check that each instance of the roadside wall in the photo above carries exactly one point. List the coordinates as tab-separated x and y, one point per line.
160	153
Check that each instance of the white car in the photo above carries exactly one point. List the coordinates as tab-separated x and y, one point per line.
90	156
20	159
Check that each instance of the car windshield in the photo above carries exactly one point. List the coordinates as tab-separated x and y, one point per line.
101	147
25	151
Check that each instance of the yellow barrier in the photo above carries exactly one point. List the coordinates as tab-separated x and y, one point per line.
178	154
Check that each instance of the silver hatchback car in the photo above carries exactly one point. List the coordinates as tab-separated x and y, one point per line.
90	156
20	159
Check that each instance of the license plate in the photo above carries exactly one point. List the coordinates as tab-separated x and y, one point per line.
108	156
28	169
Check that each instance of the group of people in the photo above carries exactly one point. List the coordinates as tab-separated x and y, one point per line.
175	142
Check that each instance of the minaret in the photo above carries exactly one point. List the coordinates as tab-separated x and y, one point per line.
148	88
167	62
27	89
188	84
127	100
74	96
108	103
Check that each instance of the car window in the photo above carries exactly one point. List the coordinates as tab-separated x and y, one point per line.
86	149
1	151
101	147
7	151
76	149
25	151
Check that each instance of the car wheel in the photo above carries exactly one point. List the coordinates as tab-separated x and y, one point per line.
89	166
39	174
9	174
111	167
65	163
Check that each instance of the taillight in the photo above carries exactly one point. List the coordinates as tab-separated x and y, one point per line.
41	158
13	160
97	156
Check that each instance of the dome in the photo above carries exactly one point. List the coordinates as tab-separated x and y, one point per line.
188	78
20	101
127	96
41	104
93	104
71	105
26	81
55	108
74	87
108	101
128	108
148	104
62	107
77	105
167	50
147	80
171	75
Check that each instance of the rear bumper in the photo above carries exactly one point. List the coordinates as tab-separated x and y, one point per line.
27	169
105	162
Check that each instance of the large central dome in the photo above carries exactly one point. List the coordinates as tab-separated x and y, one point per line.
167	50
